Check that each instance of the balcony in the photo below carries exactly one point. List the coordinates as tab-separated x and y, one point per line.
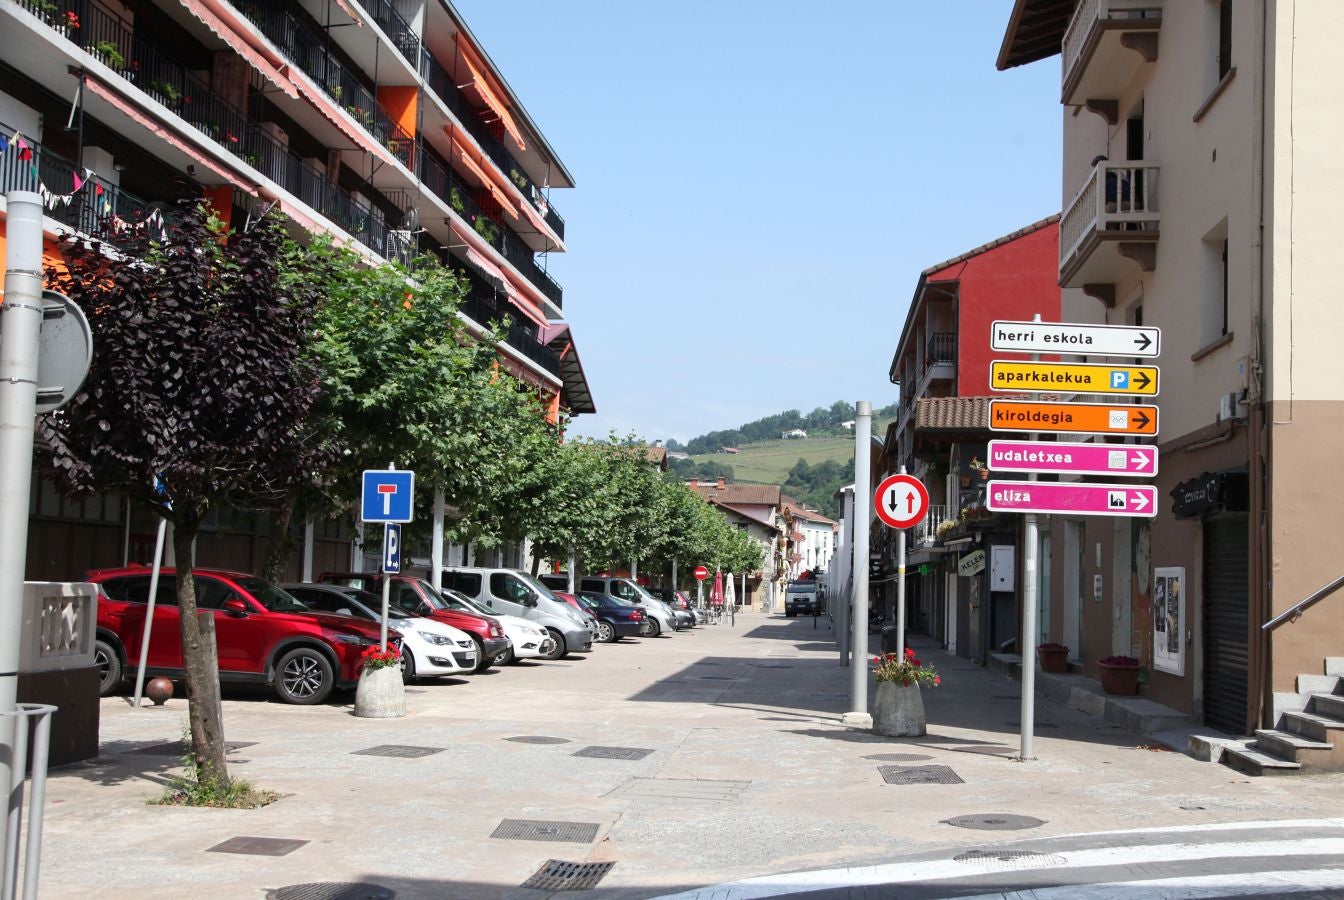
108	216
482	305
940	357
395	26
1111	225
926	531
444	87
452	190
1104	46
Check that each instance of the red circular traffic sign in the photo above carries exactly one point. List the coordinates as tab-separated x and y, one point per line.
901	501
701	573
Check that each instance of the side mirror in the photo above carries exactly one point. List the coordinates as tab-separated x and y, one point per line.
530	601
234	607
424	609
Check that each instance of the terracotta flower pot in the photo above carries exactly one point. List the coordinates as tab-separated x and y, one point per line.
898	710
1121	680
1053	659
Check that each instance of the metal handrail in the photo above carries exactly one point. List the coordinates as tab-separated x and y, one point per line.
1292	615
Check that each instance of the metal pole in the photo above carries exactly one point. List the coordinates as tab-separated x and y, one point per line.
149	613
308	549
382	626
1029	602
14	796
900	589
436	547
858	715
634	570
32	863
20	321
571	570
674	574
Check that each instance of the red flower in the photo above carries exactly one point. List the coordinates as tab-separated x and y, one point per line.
909	653
877	659
937	680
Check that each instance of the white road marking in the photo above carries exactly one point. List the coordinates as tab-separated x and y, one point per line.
1189	888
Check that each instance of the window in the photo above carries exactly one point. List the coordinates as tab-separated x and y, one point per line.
506	587
211	594
592	585
135	589
1214	318
1224	38
463	582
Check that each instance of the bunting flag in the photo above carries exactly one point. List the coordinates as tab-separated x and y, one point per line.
4	143
79	183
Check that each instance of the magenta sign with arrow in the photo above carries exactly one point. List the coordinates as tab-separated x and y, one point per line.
1072	499
1073	458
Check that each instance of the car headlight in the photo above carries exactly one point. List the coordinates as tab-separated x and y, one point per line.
438	640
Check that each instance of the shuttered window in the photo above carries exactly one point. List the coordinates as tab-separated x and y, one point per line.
1226	622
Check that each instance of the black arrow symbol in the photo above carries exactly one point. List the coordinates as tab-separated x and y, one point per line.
1142	380
1141	420
1144	341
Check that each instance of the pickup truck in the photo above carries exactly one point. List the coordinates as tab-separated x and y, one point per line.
801	597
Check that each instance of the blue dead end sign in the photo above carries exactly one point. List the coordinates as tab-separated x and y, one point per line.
388	495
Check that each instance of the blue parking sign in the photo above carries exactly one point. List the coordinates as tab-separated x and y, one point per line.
388	495
391	549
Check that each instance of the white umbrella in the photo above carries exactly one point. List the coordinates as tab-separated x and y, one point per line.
729	595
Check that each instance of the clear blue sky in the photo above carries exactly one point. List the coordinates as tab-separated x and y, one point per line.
760	183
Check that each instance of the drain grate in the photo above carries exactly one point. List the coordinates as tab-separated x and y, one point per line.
400	751
613	752
1010	859
559	875
181	748
257	846
537	739
898	757
995	822
919	775
545	830
332	890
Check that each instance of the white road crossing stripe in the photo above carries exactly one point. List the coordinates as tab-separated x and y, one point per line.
947	869
1191	888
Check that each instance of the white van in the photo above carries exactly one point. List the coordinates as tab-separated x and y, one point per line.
515	593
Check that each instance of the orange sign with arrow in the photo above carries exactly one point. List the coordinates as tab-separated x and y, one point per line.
1072	418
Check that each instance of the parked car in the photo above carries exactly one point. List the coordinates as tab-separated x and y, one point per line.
573	601
428	648
514	592
660	615
800	598
616	618
675	601
263	635
527	640
412	595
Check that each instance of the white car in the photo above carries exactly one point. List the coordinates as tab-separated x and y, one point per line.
428	648
527	640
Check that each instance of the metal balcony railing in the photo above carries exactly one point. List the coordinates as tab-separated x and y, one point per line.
395	26
482	304
1116	197
444	87
104	216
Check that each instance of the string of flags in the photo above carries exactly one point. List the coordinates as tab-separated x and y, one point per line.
102	202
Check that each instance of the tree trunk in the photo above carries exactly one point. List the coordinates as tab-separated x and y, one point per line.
281	544
200	659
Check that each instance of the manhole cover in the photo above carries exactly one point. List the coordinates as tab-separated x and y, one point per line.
401	751
181	748
898	757
331	890
1010	859
257	846
558	875
537	739
919	775
614	752
995	822
535	830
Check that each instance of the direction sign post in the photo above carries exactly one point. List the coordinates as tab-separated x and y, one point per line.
1068	458
1072	498
1078	378
1070	339
391	566
1072	418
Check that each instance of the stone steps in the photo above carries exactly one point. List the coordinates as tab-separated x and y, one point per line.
1310	735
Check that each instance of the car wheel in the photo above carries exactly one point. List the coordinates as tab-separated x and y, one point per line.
483	662
303	676
108	661
558	648
655	628
407	666
788	614
605	633
504	657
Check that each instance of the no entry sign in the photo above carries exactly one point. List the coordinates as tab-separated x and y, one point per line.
701	573
901	501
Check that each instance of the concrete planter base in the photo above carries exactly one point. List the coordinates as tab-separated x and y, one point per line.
380	694
898	710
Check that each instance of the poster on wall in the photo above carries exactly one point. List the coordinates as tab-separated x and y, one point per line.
1169	620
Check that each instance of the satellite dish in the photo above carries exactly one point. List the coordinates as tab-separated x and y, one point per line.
64	352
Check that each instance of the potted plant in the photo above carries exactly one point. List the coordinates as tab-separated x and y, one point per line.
980	468
946	527
46	10
898	710
66	22
165	92
109	54
1054	657
1119	675
486	229
380	693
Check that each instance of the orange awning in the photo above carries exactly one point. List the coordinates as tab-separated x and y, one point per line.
350	12
271	71
469	162
493	100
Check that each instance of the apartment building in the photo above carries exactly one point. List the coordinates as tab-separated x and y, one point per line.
381	122
942	365
1199	183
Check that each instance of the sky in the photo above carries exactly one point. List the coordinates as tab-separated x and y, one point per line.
760	182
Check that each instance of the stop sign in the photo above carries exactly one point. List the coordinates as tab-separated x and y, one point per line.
701	573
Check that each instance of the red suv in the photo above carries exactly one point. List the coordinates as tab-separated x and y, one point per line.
417	597
263	635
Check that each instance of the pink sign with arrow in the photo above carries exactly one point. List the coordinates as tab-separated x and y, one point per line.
1072	498
1072	458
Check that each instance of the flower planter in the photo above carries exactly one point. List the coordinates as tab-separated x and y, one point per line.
1053	659
1120	680
898	710
380	694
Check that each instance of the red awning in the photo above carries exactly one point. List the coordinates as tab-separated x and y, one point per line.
327	107
272	70
492	100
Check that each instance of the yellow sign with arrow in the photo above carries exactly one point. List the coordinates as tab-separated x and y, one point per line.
1073	378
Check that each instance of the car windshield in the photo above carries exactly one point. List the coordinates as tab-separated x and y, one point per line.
374	604
799	587
537	585
447	598
271	597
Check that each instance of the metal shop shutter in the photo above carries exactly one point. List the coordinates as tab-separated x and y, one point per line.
1226	622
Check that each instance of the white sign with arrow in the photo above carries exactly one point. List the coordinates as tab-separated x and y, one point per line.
1082	340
